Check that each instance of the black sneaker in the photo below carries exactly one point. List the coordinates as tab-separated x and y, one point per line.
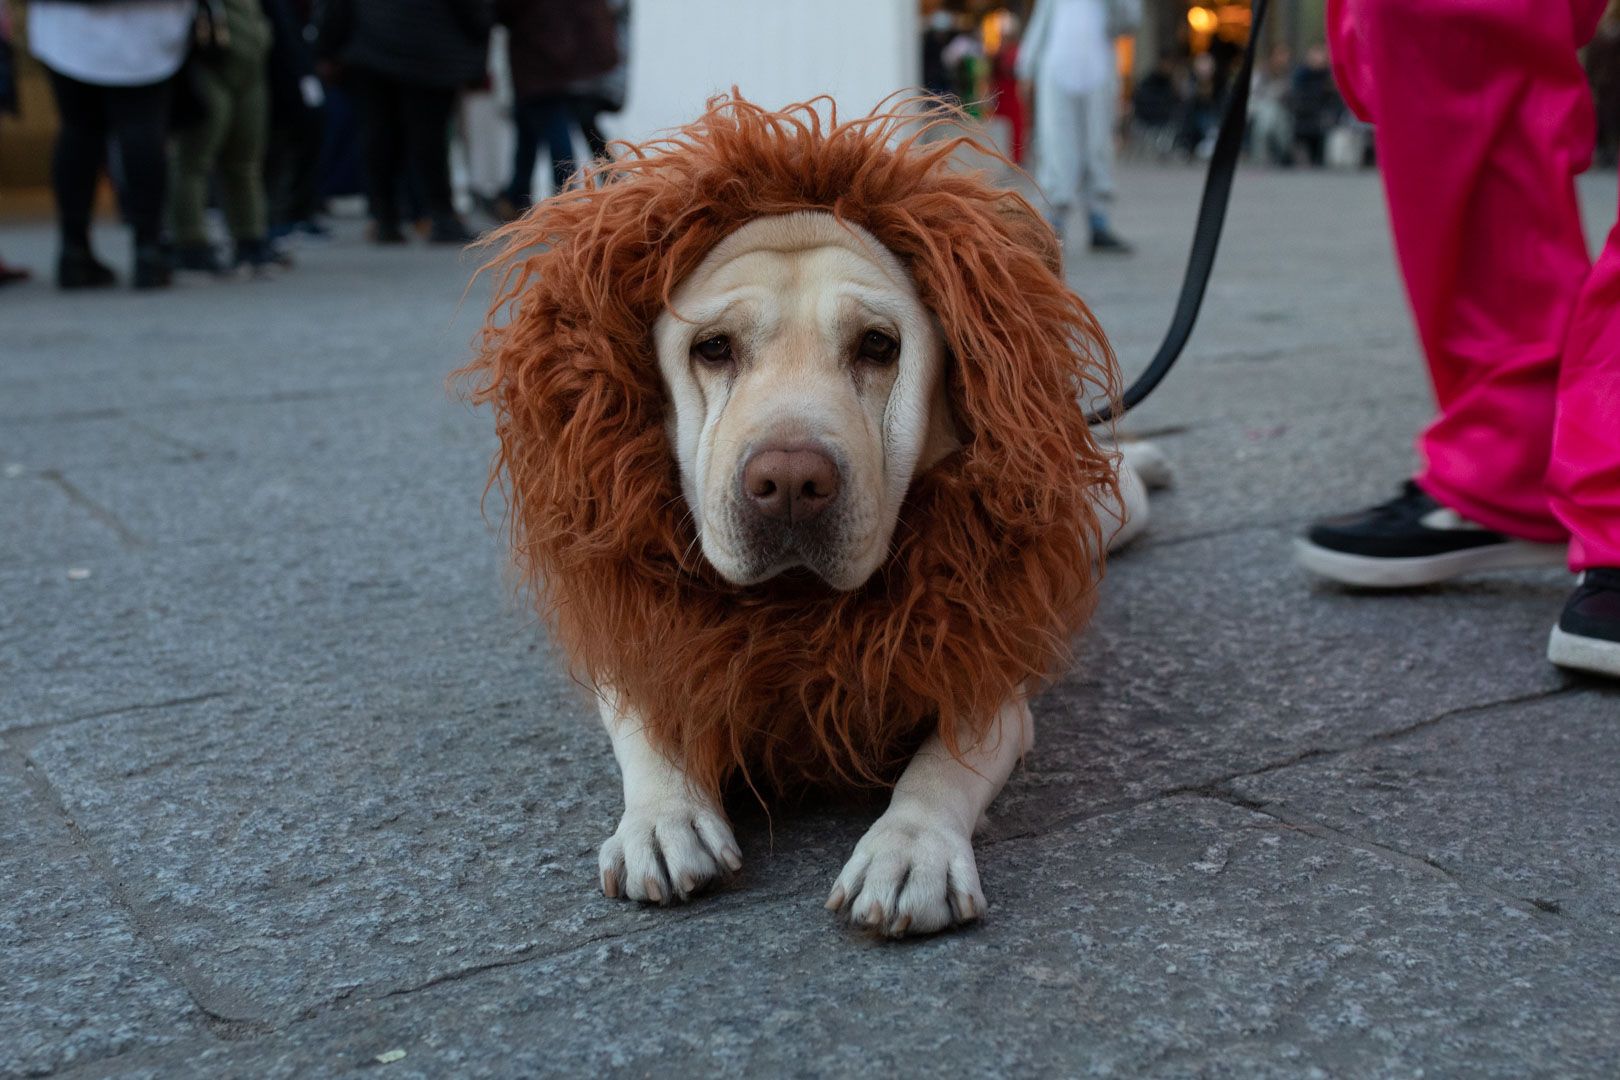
1106	241
1587	637
260	258
1412	540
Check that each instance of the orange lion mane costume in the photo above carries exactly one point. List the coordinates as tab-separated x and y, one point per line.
995	560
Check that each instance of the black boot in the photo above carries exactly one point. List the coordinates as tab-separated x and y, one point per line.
76	268
201	258
152	268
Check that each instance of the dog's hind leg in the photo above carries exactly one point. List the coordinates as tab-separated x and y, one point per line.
913	872
673	839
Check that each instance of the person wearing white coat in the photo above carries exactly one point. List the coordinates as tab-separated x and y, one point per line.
1067	57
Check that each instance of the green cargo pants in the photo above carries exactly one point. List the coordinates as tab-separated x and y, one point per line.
232	140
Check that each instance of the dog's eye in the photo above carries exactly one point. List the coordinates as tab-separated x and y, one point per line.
714	350
878	348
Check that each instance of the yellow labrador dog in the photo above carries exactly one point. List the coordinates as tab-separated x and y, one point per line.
790	426
806	384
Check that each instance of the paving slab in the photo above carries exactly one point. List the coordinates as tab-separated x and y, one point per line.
1216	656
1520	799
1189	937
77	982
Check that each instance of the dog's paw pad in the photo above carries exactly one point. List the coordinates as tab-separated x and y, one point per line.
909	876
666	852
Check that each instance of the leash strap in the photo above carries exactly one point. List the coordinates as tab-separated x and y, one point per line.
1206	241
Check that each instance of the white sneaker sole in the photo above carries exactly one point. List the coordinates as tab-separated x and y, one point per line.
1368	572
1583	653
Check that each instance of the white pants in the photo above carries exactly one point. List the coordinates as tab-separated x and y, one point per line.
1074	145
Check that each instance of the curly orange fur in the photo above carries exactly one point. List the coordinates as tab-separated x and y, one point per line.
995	559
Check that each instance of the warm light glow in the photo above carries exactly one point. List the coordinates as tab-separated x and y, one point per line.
1202	20
995	28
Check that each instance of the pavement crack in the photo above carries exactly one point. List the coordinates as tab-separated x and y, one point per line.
169	958
117	710
191	450
130	539
1421	864
1204	787
1217	787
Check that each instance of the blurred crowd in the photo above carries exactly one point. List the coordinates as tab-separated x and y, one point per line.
268	109
1171	110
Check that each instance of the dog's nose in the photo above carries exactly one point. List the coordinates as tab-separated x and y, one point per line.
790	484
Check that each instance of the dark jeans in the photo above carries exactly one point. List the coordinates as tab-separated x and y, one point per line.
550	119
586	111
406	128
135	120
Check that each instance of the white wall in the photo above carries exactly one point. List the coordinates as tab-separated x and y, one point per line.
775	51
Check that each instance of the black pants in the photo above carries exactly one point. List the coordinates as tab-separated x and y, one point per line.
406	129
292	168
134	119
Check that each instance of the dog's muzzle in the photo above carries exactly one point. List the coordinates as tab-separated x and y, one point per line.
789	508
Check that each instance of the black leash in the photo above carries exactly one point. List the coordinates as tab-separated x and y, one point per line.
1206	241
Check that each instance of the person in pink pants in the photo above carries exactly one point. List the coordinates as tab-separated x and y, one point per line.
1484	118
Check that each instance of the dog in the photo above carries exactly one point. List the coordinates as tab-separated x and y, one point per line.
797	470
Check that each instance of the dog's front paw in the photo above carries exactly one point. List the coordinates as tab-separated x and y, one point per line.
666	850
910	874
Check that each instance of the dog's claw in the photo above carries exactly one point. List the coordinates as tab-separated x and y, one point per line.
909	875
666	851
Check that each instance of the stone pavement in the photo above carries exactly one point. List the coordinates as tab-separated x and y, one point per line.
290	786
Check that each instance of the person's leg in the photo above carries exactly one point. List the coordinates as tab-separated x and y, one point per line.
1583	476
1058	149
1097	175
76	162
384	141
427	133
558	127
528	117
587	112
1488	120
139	119
304	204
195	149
241	159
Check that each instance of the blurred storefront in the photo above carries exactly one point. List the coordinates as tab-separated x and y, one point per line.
1183	28
25	140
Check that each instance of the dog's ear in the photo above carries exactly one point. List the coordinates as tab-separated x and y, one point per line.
1028	228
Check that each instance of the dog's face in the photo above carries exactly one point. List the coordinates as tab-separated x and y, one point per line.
806	388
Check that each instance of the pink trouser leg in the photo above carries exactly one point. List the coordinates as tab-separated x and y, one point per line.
1483	120
1584	476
